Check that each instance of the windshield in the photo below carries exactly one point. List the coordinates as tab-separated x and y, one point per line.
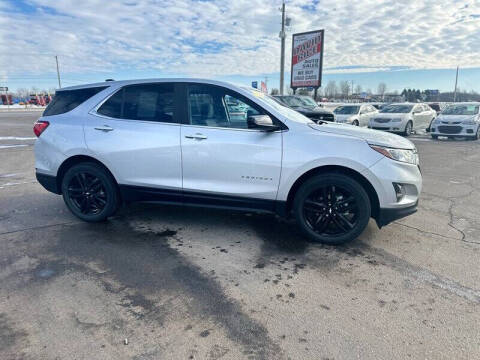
282	109
308	101
461	110
347	110
397	109
291	101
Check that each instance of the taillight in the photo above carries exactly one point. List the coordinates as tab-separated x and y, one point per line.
39	127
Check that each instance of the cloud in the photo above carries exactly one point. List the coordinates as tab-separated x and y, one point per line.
218	38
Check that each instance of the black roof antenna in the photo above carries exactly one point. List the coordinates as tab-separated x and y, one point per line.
109	80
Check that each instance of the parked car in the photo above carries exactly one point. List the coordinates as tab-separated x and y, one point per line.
174	141
460	119
436	106
403	118
305	105
355	114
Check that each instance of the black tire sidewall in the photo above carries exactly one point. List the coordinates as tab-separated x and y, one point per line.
406	132
332	179
110	188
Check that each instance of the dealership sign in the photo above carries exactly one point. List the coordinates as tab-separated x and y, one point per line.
307	59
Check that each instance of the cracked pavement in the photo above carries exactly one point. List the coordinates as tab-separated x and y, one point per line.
188	283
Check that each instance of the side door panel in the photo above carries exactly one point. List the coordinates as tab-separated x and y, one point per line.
143	153
222	159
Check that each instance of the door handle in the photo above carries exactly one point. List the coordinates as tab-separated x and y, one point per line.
196	137
104	128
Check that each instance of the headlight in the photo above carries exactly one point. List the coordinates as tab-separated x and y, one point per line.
469	122
407	156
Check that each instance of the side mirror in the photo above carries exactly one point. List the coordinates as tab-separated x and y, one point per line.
262	122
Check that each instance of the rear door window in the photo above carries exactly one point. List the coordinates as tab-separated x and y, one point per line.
146	102
67	100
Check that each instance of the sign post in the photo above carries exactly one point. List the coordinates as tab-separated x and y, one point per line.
307	60
5	88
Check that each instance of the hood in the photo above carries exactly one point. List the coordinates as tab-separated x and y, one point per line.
373	137
390	116
451	118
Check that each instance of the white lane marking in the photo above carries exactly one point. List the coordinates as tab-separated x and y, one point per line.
3	186
12	146
16	138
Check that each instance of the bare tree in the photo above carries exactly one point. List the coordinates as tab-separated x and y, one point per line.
274	91
382	89
331	89
358	89
344	88
23	94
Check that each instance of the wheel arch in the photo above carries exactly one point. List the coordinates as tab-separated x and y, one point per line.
77	159
338	169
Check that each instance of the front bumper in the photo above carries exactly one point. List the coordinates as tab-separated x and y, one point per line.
454	129
386	216
390	126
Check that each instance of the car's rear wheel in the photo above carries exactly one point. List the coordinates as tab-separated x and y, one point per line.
332	208
434	137
408	129
90	192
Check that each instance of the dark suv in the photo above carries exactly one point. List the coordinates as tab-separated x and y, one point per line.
305	105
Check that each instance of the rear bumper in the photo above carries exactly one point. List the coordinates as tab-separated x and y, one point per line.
386	216
49	182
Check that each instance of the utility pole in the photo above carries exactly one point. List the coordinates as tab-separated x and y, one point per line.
282	50
455	91
352	89
58	73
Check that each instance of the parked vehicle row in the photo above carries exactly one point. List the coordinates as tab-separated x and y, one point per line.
208	143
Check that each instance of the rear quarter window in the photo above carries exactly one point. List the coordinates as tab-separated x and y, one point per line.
66	100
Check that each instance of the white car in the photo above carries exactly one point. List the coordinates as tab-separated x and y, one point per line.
209	143
460	119
355	114
403	118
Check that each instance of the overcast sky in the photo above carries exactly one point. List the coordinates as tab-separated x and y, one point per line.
367	41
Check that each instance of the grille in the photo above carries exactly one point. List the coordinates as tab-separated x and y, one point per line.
450	129
323	117
382	120
378	128
453	122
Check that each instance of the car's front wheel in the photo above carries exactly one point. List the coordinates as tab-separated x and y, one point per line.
90	192
332	208
408	128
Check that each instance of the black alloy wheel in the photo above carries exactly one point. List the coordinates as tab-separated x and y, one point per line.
87	193
332	208
90	192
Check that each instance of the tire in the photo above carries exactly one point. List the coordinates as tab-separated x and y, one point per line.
355	123
435	137
408	128
90	192
476	136
323	200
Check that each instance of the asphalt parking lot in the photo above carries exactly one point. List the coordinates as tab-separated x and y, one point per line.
160	282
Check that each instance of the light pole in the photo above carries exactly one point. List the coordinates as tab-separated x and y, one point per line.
455	91
282	49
